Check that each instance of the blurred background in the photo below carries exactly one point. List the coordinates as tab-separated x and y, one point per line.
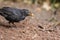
41	3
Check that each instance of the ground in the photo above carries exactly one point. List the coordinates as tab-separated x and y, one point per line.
38	27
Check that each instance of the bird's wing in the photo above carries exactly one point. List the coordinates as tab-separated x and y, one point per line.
11	11
7	11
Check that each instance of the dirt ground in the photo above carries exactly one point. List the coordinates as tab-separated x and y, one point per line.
38	27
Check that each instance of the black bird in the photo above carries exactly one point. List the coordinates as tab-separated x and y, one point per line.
14	14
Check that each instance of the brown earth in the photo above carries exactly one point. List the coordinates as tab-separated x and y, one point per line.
38	27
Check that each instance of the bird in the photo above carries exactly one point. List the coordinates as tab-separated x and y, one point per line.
13	15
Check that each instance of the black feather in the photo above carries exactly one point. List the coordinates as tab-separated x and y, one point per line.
13	14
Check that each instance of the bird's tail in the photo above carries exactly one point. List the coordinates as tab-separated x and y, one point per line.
1	12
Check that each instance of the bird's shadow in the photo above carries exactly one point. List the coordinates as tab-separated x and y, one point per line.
6	25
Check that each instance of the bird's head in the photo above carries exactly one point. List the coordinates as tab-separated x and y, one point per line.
27	12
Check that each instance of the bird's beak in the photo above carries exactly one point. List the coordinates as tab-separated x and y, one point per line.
31	14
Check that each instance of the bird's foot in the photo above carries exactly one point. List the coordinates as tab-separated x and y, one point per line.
14	26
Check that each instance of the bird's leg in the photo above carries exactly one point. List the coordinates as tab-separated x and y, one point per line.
9	24
13	24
